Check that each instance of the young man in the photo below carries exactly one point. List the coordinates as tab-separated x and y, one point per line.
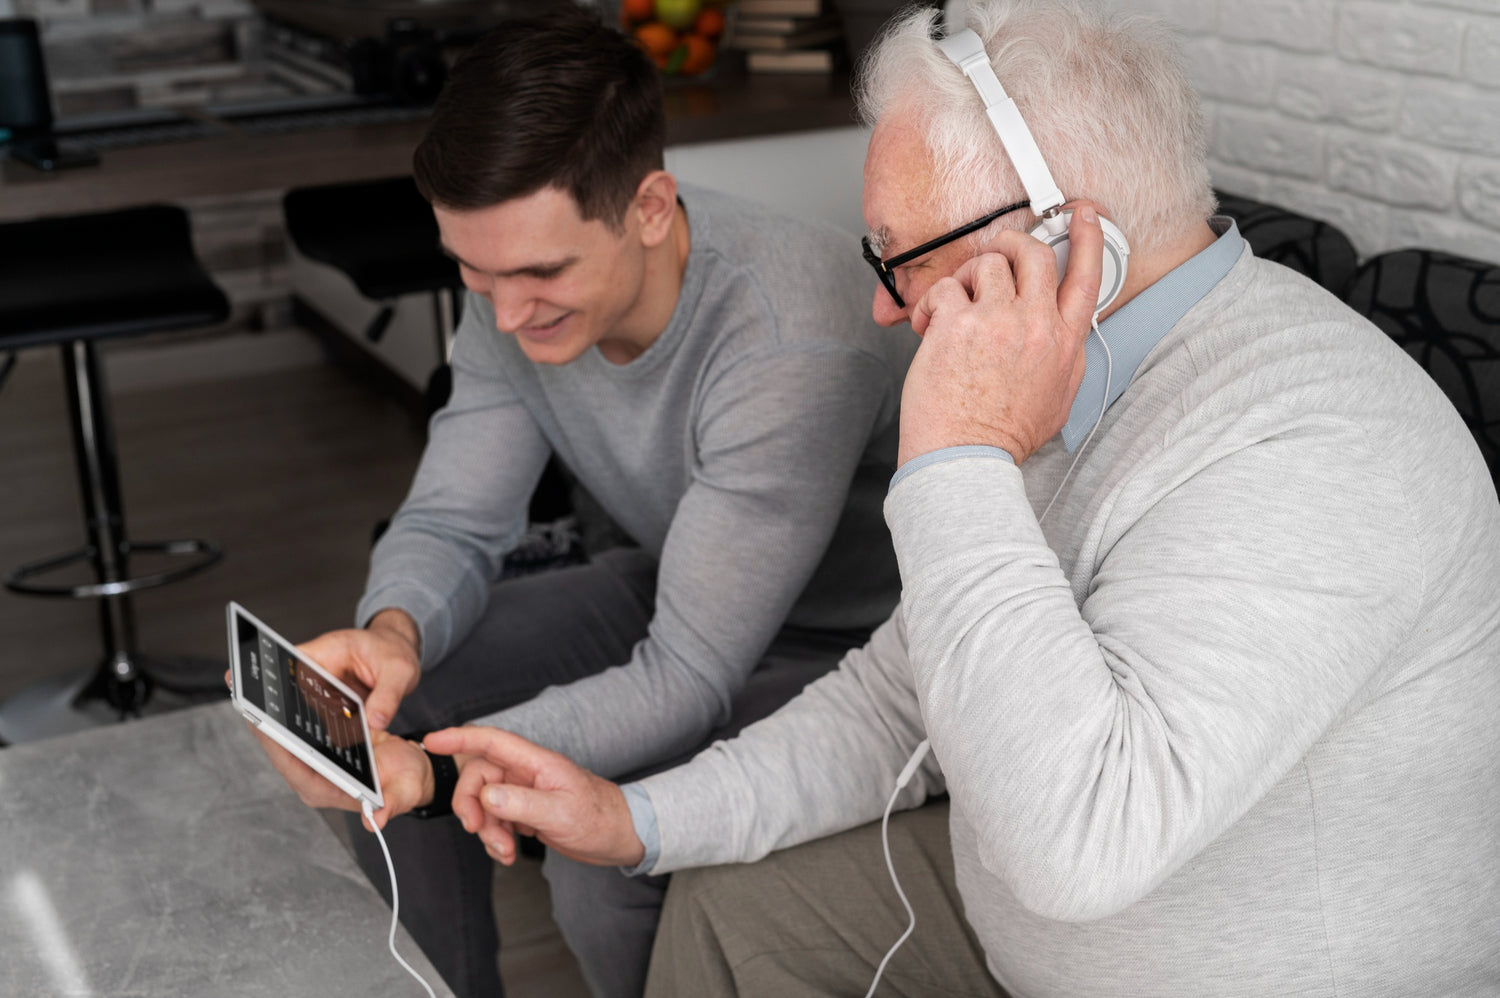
1201	626
707	370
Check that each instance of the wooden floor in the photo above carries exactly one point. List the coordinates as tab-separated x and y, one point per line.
288	470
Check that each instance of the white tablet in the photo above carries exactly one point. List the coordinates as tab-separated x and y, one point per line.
302	707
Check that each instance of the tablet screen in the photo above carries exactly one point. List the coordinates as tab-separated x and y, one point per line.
293	694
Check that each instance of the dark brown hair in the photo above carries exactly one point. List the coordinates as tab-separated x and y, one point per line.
560	101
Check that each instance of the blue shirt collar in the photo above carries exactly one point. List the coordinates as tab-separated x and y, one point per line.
1138	325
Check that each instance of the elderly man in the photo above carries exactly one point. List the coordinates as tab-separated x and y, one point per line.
1199	609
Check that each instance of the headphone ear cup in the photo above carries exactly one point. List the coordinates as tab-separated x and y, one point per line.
1116	255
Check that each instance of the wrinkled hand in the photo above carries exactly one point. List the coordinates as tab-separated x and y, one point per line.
1002	351
513	786
405	776
382	658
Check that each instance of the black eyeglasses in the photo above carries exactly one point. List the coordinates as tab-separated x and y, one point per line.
885	269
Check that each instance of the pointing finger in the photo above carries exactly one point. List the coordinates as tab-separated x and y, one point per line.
497	745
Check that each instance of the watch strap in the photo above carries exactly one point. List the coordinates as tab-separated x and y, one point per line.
444	782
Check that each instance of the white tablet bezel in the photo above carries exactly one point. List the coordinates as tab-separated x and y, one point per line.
288	740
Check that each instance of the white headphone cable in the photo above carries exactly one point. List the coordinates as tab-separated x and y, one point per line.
901	781
395	899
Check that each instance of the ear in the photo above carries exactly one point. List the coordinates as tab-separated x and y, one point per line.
655	205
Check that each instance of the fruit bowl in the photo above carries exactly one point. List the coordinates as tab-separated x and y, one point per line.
681	36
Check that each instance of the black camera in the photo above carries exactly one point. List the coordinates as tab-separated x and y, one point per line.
406	64
372	48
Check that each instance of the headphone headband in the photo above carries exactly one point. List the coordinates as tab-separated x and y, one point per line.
967	52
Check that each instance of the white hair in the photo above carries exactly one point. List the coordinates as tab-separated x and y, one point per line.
1105	97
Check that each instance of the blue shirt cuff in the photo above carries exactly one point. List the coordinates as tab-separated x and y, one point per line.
916	464
643	816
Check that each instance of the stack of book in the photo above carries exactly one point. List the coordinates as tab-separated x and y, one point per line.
788	36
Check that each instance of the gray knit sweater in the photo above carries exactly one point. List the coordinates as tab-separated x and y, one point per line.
1227	723
749	448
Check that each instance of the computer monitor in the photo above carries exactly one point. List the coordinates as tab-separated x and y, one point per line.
25	99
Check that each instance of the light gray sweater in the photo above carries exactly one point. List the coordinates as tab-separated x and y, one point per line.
1227	723
749	448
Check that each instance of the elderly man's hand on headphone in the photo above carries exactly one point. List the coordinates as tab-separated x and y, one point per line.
1002	352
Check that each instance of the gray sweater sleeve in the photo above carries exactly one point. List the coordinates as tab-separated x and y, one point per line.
825	762
1097	740
778	442
1094	740
467	505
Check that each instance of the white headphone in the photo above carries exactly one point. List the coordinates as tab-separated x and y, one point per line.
967	52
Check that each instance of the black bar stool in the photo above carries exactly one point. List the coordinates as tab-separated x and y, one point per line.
71	281
382	236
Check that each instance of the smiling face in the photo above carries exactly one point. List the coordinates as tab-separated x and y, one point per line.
897	201
559	284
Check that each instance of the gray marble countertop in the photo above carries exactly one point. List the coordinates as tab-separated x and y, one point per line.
165	858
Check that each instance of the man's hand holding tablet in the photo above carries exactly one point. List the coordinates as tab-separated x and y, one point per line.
383	657
405	776
311	722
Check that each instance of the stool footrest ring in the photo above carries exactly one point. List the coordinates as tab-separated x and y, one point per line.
204	553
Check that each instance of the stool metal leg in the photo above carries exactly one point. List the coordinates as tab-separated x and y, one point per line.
120	681
108	549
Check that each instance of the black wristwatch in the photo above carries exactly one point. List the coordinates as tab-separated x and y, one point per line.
444	782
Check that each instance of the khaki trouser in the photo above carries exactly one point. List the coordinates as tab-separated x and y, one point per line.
817	919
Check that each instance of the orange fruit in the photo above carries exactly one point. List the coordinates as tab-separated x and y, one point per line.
657	39
710	23
638	10
700	55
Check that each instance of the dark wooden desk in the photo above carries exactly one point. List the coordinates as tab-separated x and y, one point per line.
236	162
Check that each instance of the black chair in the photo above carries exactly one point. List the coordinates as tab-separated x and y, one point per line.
1309	246
381	235
1445	311
70	282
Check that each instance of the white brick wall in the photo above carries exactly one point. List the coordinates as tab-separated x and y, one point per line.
1380	116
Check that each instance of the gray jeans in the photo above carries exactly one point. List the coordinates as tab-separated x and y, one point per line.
539	631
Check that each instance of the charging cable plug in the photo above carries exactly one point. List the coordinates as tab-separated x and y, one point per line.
369	814
907	772
910	769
